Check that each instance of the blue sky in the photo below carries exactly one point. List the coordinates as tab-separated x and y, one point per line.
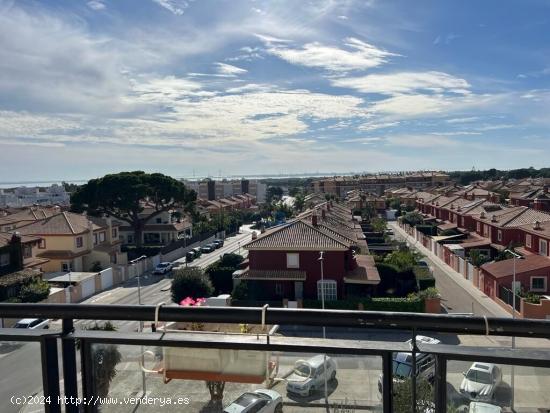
253	86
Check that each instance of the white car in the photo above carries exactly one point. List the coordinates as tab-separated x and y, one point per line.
481	381
33	323
478	407
258	401
163	268
309	375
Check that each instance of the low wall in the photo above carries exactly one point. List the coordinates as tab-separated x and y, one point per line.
540	311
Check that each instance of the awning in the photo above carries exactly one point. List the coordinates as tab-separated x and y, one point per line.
446	237
266	275
365	272
449	225
473	244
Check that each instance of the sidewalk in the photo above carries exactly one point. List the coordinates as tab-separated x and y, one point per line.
492	308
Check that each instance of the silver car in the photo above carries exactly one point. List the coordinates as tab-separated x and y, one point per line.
258	401
309	375
481	381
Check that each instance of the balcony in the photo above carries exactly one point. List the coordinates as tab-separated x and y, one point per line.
166	370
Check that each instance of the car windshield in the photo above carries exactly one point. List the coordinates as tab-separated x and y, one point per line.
479	376
304	370
401	369
246	399
163	264
21	325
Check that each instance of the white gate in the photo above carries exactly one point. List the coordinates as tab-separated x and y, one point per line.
88	287
106	278
461	266
470	272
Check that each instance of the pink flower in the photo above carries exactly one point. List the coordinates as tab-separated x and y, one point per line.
187	302
200	301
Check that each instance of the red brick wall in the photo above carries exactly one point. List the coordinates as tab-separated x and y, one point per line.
334	267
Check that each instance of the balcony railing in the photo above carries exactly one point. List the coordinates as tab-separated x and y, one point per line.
192	343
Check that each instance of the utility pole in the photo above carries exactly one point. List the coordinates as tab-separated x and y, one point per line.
321	258
512	379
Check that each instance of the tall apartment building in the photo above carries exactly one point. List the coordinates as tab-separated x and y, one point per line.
211	189
378	184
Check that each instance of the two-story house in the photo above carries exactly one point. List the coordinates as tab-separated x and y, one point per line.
25	216
66	240
18	252
302	260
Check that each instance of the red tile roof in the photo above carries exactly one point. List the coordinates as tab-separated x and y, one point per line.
501	269
65	223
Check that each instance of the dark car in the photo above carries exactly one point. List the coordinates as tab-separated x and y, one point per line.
197	251
218	242
190	256
207	248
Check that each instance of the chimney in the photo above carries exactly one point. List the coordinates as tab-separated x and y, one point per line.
482	215
254	235
17	251
536	225
262	229
452	206
328	206
314	219
323	214
493	218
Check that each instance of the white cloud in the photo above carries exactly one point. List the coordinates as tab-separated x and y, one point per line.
360	56
95	5
421	141
364	141
463	120
368	126
225	69
175	6
405	82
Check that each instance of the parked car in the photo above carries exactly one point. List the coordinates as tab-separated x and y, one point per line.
163	268
479	407
207	248
481	381
309	375
218	242
190	256
258	401
197	251
33	323
403	364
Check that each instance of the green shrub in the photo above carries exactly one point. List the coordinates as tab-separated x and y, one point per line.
424	278
35	292
222	278
190	282
240	292
396	304
431	292
531	298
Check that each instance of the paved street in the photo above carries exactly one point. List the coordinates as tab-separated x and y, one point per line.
23	360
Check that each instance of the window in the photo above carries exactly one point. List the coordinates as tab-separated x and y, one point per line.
42	244
27	251
528	240
279	289
329	289
130	239
478	227
538	283
159	220
543	247
95	239
114	233
67	266
293	260
4	260
79	242
102	236
499	235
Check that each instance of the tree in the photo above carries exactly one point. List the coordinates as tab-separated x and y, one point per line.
34	292
221	272
402	396
240	291
477	258
299	202
379	224
274	193
190	282
105	357
403	260
413	218
122	195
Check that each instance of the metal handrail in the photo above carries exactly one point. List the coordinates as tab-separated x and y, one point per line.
444	323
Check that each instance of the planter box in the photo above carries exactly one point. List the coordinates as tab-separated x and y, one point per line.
432	305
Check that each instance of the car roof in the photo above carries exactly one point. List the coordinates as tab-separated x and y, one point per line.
425	340
482	366
27	320
317	360
478	407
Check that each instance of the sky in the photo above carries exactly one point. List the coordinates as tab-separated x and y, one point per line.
229	87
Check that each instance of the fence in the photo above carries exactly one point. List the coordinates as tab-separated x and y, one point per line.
507	296
194	345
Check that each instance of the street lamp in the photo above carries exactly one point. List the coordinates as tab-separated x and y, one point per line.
321	259
516	257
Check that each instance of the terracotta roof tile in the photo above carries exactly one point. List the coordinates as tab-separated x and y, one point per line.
505	268
64	223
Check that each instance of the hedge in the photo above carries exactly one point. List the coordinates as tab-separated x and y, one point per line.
424	278
397	304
